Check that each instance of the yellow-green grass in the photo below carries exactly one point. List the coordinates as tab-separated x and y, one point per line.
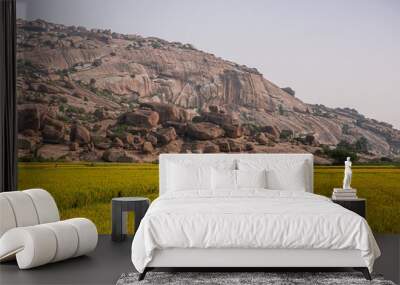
86	189
380	185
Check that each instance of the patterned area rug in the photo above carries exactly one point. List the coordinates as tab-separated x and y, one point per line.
269	278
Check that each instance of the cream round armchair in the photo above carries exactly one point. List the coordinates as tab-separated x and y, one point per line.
31	230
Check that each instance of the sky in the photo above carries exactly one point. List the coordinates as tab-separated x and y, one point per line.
340	53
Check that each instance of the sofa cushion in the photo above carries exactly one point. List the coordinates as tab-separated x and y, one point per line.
46	207
41	244
7	220
23	208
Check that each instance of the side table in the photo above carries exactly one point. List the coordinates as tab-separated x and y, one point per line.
120	207
356	205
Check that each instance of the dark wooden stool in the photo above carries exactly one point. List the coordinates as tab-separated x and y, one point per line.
120	207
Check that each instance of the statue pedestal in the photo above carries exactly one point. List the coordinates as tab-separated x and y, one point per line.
344	194
345	190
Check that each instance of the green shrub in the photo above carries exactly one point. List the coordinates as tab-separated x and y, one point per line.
341	152
155	45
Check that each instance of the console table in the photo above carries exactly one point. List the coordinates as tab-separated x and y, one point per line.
120	207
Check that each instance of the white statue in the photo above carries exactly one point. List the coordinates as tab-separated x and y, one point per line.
347	174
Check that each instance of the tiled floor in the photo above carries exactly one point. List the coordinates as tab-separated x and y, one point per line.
110	260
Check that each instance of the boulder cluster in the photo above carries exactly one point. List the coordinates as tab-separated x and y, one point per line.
96	95
139	134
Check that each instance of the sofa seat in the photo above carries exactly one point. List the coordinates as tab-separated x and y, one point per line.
31	232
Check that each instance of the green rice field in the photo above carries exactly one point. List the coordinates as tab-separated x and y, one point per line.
86	189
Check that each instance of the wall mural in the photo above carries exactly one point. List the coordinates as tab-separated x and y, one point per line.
91	96
96	95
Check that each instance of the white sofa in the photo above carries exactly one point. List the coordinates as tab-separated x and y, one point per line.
31	231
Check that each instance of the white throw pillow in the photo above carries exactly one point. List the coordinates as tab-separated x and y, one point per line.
223	179
290	178
184	178
251	178
282	174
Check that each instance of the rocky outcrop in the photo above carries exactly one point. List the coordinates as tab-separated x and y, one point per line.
117	142
51	135
26	143
165	135
96	86
119	155
140	118
262	139
30	116
174	146
80	134
272	130
289	90
229	122
166	112
53	130
52	152
147	147
204	131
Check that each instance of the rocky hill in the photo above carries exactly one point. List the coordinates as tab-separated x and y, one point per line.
96	95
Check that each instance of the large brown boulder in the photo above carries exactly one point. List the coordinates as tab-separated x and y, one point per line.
229	122
235	146
173	147
52	151
249	146
127	138
262	139
117	142
51	134
229	145
80	134
118	155
152	139
74	146
202	147
180	128
186	115
101	142
204	131
165	135
26	143
112	155
167	112
147	147
128	158
90	156
223	145
272	130
30	116
232	131
140	118
211	148
52	130
216	109
48	121
220	119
